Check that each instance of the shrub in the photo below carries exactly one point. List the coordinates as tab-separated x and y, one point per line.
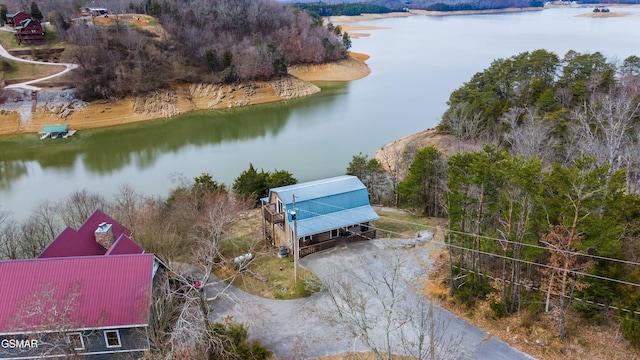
472	289
5	65
234	339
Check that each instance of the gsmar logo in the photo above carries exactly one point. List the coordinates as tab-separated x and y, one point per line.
18	344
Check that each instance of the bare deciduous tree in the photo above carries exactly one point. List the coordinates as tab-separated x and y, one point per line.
10	239
78	207
377	307
528	134
603	125
50	317
463	124
564	261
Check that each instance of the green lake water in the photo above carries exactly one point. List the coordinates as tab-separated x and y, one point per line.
416	62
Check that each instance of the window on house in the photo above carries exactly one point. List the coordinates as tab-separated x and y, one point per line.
279	206
76	341
112	338
334	233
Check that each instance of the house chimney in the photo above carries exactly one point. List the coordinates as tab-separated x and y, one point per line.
104	235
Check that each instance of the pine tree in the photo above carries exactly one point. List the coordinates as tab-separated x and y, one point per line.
35	12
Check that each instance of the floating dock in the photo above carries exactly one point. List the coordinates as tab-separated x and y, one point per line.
55	131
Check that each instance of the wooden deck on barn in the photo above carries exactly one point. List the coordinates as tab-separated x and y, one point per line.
354	237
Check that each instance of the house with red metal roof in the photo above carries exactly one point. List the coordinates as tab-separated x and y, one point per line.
15	19
29	30
88	294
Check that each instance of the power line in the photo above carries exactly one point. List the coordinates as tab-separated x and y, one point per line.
566	252
533	287
575	272
548	291
503	257
518	260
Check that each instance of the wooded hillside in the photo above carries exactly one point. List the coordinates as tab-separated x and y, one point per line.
194	41
544	220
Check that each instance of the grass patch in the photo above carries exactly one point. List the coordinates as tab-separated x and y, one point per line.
400	224
8	40
16	70
272	277
267	275
152	21
52	39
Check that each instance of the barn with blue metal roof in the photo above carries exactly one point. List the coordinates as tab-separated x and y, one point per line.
328	213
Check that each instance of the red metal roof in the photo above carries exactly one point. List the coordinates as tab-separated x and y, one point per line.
111	291
82	242
123	246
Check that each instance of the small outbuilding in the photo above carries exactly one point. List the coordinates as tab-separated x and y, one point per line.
320	214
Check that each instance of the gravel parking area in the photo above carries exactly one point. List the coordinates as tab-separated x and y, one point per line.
301	329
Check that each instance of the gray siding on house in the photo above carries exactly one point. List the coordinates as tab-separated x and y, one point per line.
133	343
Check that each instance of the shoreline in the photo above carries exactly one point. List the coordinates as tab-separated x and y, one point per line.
476	12
17	118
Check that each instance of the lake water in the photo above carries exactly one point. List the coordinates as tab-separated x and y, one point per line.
416	62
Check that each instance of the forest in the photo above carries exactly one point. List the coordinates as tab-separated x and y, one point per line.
194	41
347	9
335	7
545	218
483	5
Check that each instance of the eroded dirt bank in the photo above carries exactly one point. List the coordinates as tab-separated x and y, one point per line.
17	115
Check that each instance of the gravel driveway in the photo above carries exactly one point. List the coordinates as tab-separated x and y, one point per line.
301	329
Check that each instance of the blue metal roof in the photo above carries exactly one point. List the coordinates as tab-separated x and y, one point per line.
336	220
327	204
318	189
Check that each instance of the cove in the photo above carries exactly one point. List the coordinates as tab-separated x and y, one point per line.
416	62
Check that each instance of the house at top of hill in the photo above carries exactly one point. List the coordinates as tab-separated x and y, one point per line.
89	293
94	11
15	19
321	214
29	30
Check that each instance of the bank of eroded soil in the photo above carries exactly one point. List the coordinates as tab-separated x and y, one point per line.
17	118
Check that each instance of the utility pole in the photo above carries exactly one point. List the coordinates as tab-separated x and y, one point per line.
296	243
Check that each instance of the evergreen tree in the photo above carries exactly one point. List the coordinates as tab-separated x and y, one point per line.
205	183
423	186
254	184
280	178
370	172
251	184
35	12
3	14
